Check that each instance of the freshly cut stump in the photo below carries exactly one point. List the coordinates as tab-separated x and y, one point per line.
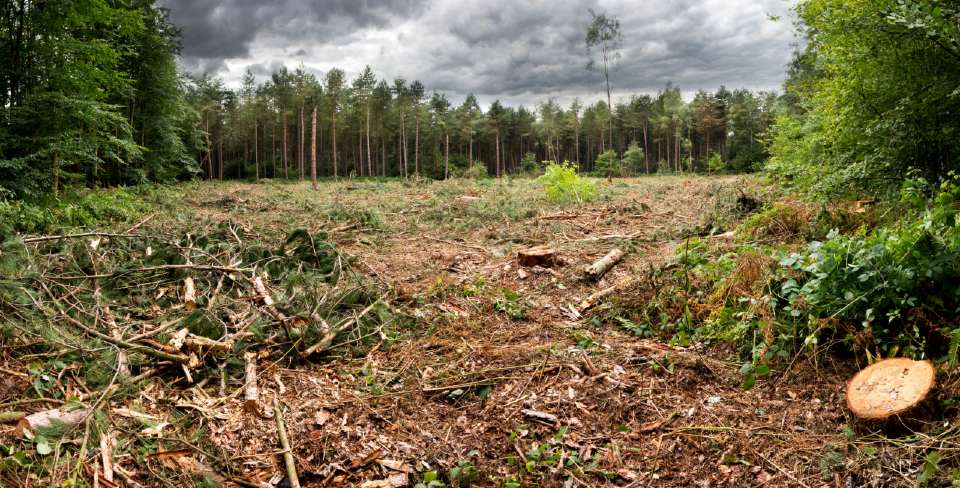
542	256
890	387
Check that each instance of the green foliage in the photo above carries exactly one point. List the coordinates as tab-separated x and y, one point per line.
91	96
876	97
715	163
75	209
511	305
607	164
633	159
893	282
563	185
530	165
476	171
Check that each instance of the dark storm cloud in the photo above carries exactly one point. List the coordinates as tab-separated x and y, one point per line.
221	29
520	51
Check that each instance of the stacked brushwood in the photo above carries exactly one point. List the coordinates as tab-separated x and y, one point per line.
193	303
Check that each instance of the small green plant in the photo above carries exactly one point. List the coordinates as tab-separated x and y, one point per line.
430	480
563	185
465	473
511	305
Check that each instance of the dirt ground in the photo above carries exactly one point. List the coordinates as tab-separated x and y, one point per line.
499	380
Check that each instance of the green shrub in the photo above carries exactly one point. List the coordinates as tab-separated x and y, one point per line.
530	165
476	171
607	164
634	159
562	184
715	163
892	291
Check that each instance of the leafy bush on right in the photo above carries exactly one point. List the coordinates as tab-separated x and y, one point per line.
891	291
563	184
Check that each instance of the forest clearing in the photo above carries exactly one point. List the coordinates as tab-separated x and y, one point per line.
448	243
448	356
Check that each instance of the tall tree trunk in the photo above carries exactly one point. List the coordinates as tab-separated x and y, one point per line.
496	149
313	147
446	156
369	163
286	167
56	174
256	152
300	143
416	145
333	137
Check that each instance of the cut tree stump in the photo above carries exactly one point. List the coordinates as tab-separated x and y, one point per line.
890	387
600	267
537	256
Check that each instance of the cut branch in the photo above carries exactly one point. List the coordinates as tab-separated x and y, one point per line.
600	267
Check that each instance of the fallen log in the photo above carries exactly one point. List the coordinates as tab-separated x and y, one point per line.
600	267
890	387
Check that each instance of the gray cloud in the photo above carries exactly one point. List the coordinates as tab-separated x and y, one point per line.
520	52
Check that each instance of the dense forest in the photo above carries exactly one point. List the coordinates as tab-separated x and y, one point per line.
103	104
342	279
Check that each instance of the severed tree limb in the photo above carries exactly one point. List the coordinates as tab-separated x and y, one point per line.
285	444
596	270
251	395
72	236
48	418
177	358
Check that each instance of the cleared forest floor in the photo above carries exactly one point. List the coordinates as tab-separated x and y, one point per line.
483	371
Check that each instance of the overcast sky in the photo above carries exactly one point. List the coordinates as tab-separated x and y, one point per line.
518	51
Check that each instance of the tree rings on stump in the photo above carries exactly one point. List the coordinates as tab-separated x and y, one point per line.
890	387
542	256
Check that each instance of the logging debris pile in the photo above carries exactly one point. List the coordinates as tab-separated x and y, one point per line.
97	313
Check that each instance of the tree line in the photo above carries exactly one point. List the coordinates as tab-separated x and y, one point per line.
295	124
90	95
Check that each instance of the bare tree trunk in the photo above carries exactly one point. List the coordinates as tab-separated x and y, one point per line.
256	151
333	136
286	167
446	157
313	147
369	162
300	156
416	146
497	150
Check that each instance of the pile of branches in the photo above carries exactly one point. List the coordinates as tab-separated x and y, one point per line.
196	306
190	300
